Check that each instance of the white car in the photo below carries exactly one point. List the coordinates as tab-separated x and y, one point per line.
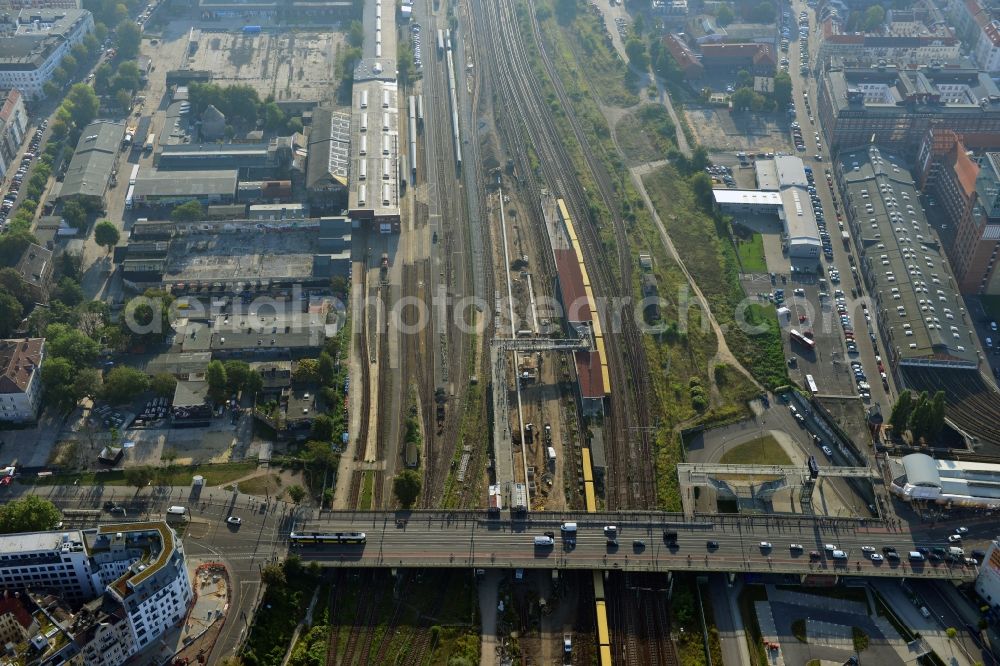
765	545
867	549
234	520
954	538
875	557
962	530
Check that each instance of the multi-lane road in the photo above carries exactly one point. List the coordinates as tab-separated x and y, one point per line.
440	539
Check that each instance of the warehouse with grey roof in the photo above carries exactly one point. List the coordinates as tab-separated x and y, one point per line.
94	161
921	316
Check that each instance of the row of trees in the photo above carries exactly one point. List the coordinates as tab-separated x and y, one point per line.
922	416
746	99
242	107
231	377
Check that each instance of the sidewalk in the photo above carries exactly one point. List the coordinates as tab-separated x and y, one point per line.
768	631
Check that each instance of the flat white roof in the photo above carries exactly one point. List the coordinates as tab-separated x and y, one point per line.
767	175
791	171
800	222
748	197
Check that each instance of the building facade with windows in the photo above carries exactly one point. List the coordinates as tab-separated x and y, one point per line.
894	108
21	379
33	43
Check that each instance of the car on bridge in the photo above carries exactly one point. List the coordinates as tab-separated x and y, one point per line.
954	538
712	545
875	557
765	545
638	545
795	547
867	549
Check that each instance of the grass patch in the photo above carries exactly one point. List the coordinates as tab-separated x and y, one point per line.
758	451
265	484
172	475
799	630
751	254
748	596
367	490
646	134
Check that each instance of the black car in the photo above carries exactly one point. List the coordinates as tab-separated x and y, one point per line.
888	549
669	536
712	545
920	549
638	545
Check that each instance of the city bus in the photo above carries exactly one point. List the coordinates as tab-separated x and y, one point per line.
812	384
795	336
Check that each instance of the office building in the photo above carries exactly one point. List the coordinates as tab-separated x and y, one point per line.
894	108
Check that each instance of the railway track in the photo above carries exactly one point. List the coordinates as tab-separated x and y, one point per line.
354	496
361	631
382	647
516	90
334	638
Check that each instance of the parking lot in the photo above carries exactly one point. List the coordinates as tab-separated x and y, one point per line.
286	64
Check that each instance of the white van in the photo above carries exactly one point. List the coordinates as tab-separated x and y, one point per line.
177	510
955	551
544	541
568	527
839	555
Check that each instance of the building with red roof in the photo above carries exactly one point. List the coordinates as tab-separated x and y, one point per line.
686	59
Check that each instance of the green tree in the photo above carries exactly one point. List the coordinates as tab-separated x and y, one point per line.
123	384
326	369
638	25
50	89
123	100
744	79
406	487
952	632
74	345
306	371
163	384
188	212
106	235
13	244
140	477
28	514
236	374
58	376
102	78
127	77
294	125
215	375
90	45
724	15
901	412
83	104
701	185
635	49
296	493
88	383
68	291
782	89
274	117
322	428
128	37
75	214
405	64
742	100
920	419
12	282
763	13
566	11
937	414
356	34
273	575
11	313
874	17
70	62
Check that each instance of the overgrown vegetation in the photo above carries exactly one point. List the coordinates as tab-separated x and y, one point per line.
290	587
169	475
646	134
686	618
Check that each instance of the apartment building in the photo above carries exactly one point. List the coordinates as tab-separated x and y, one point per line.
21	379
33	43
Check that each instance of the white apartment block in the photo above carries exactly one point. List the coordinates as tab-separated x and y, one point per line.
131	576
33	43
21	379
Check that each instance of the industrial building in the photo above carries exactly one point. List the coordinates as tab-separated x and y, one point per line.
252	161
921	316
329	158
172	188
918	476
988	580
373	193
782	182
94	162
894	108
33	43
